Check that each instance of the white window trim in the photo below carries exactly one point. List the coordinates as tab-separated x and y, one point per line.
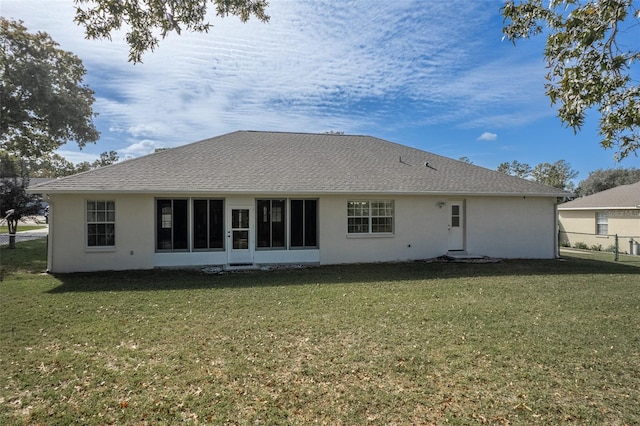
370	233
602	218
108	248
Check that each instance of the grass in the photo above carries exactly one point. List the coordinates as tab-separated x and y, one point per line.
516	342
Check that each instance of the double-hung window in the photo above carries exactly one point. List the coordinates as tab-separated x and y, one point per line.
172	229
271	221
370	217
101	223
602	223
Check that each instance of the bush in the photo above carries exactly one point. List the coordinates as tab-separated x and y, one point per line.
611	248
565	243
580	245
596	247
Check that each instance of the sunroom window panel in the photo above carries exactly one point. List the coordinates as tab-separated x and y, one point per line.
297	223
172	224
311	223
163	224
200	226
180	225
271	220
216	224
264	223
277	223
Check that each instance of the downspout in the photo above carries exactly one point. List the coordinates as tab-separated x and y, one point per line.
50	235
556	228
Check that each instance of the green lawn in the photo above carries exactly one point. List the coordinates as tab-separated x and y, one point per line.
515	342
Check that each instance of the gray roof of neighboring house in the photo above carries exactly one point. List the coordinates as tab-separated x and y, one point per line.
39	181
620	197
296	163
32	181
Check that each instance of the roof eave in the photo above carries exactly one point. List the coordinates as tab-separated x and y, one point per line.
601	208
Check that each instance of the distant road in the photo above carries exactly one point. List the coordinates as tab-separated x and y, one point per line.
24	235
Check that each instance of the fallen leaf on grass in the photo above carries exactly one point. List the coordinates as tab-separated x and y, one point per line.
522	406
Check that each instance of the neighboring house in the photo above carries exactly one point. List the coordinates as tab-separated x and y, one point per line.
259	198
596	219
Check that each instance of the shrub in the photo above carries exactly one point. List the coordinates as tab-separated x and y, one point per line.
581	245
565	243
596	247
611	248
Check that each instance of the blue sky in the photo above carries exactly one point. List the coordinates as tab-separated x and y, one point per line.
434	75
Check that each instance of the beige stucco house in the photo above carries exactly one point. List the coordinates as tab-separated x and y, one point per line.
260	198
596	219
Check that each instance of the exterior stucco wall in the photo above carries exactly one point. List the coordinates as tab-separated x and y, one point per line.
420	231
68	251
511	227
506	227
579	226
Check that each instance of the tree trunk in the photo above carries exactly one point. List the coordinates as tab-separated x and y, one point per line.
13	227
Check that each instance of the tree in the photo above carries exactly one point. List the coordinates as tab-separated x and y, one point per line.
465	159
145	18
558	174
515	168
590	50
43	102
51	166
106	158
15	203
603	179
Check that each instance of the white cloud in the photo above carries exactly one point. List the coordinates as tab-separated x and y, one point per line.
140	148
488	136
77	157
316	66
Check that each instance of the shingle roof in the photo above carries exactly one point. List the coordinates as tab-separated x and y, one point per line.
273	162
621	197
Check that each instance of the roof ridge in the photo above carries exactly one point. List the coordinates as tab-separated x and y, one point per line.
301	133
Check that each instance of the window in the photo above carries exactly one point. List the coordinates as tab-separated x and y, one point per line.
101	223
370	217
602	223
208	224
172	224
270	218
455	216
304	223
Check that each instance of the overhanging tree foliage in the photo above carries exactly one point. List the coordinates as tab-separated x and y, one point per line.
54	165
148	19
592	47
44	103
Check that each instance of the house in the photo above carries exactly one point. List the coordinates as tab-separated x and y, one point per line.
259	198
596	219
